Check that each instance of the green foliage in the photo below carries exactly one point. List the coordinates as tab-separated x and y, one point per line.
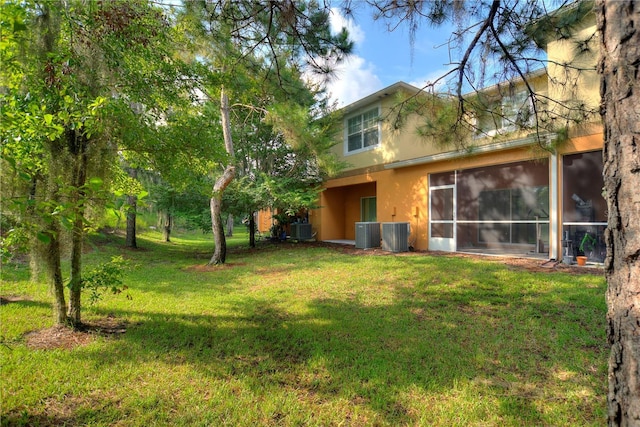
308	137
282	159
189	206
14	241
561	24
255	52
123	184
440	123
560	139
84	80
291	195
587	244
296	32
106	277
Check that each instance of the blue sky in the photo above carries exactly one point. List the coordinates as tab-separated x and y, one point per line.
382	58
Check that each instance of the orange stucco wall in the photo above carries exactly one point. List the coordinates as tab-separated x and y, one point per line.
340	210
593	141
402	194
264	221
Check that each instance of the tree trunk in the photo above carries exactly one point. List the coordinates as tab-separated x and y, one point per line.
167	225
51	254
54	273
78	147
220	250
620	59
132	206
34	247
252	230
75	281
229	225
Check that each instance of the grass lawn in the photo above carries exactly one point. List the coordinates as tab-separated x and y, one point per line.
299	334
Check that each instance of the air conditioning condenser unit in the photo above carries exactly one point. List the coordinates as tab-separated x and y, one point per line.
395	236
367	235
301	231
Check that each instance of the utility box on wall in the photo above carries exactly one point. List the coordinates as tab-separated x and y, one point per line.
395	236
367	235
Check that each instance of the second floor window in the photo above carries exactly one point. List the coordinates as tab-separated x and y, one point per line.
363	131
505	115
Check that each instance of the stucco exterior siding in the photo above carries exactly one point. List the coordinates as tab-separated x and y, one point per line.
396	169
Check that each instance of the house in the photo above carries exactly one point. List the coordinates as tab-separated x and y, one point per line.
503	194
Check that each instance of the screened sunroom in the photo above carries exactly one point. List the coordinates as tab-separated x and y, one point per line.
500	209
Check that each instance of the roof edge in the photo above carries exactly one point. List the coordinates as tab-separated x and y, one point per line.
382	93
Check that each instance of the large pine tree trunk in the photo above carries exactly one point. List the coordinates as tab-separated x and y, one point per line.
618	22
220	250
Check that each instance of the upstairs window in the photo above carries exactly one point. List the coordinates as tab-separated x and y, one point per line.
363	131
505	115
516	111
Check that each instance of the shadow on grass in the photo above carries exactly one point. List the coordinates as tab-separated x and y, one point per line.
23	302
369	354
40	420
450	331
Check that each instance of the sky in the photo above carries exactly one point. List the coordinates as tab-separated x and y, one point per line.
382	58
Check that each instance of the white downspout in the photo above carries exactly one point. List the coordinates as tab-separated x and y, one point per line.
554	218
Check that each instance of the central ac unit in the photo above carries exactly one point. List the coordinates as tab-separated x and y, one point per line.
367	235
395	236
301	231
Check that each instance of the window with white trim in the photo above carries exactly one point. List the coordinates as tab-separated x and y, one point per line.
505	115
516	111
363	131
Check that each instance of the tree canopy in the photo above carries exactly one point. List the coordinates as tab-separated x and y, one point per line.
254	53
81	80
90	87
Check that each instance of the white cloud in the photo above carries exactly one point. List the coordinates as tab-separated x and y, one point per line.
354	78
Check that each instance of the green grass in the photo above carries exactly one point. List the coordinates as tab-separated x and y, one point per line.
294	334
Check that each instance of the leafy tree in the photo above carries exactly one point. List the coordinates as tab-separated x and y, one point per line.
72	72
497	35
250	45
180	157
281	163
188	206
